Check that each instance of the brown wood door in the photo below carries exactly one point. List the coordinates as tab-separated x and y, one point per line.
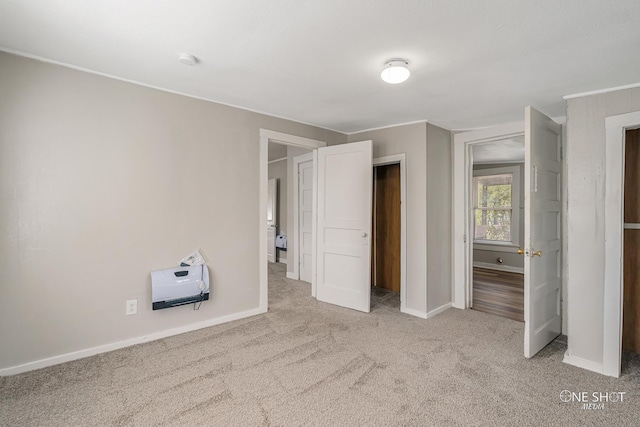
631	296
386	228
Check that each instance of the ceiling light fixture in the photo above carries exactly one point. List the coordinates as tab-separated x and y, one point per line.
188	59
395	71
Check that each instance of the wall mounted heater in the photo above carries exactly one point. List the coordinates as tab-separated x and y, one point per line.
179	286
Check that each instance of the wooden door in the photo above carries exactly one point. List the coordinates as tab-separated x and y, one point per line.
631	297
386	228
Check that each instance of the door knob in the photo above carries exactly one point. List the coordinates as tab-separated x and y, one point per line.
520	251
536	253
364	234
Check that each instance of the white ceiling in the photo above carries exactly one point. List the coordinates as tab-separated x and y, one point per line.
510	150
473	63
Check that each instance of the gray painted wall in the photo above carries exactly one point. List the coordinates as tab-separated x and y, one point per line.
103	181
439	217
428	163
586	153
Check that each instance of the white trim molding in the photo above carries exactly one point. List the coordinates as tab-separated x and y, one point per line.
616	127
438	310
461	235
582	363
81	354
499	267
599	91
416	313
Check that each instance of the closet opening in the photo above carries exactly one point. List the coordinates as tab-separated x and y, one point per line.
386	237
631	247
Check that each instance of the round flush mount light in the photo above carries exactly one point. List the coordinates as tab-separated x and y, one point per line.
188	59
395	71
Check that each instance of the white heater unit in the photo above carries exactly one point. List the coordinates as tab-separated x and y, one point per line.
172	287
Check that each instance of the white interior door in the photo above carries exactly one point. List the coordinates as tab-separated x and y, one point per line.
272	214
305	222
543	204
344	225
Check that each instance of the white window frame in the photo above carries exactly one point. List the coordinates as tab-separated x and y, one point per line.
515	205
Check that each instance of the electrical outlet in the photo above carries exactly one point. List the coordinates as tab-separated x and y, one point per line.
132	307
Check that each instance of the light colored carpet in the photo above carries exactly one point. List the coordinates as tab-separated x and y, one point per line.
309	363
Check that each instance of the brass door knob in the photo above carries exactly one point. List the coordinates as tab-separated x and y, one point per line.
520	251
537	253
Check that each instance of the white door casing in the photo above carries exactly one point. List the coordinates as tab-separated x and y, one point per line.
542	223
616	127
272	215
267	136
543	233
462	206
305	217
344	225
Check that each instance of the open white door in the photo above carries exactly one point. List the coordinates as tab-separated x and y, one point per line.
272	214
344	225
543	204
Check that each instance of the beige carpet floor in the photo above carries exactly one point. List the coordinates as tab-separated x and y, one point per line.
310	363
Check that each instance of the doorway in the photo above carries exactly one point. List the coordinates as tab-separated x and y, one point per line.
267	136
399	162
542	213
631	244
613	298
497	227
386	231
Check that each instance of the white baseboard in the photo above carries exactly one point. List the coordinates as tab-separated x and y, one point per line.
438	310
291	275
508	268
582	363
55	360
417	313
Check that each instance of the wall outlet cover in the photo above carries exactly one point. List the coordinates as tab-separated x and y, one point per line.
132	307
194	258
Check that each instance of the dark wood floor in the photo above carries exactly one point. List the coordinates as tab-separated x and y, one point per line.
499	292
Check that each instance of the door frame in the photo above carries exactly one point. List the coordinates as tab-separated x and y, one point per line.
401	160
303	158
267	135
462	172
616	127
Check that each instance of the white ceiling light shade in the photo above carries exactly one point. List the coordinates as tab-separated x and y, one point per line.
395	71
188	59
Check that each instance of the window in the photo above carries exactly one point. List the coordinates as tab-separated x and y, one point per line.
495	204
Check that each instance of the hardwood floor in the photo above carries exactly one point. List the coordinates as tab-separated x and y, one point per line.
499	292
